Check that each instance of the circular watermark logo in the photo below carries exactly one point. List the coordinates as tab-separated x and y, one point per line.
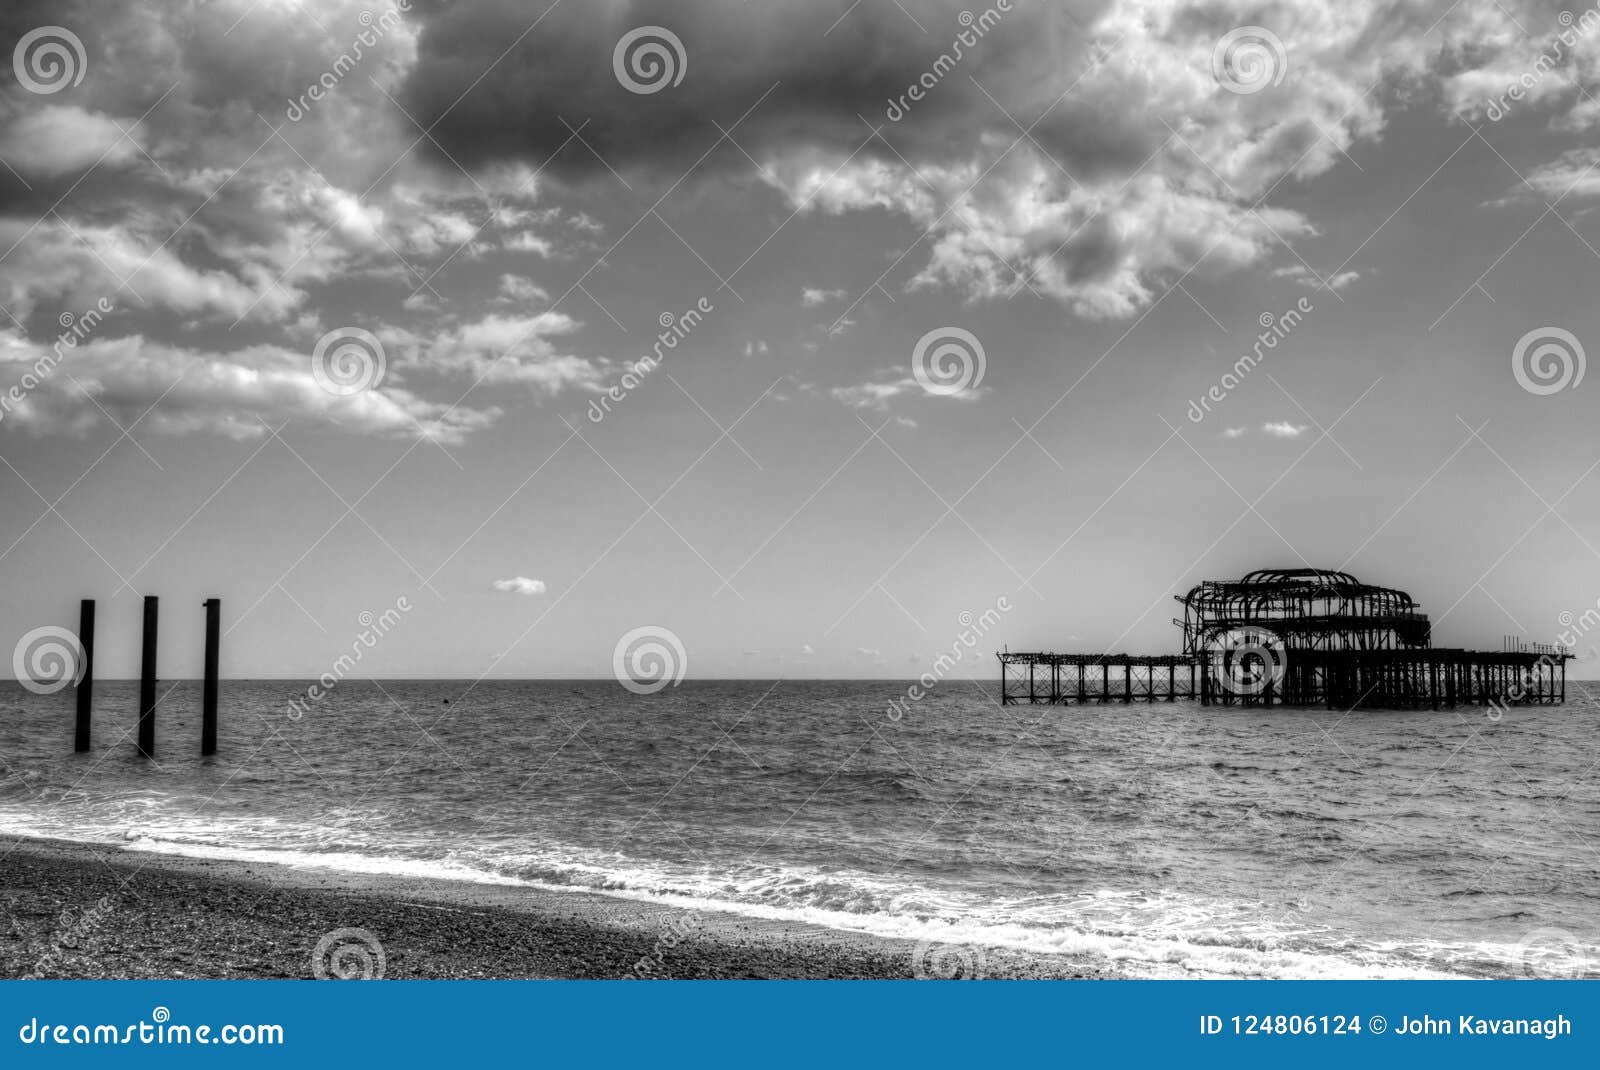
649	59
49	59
1548	360
1248	60
348	360
48	659
948	361
348	955
1549	954
935	961
1251	659
648	659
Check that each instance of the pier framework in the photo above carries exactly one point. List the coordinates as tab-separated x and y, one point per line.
1299	637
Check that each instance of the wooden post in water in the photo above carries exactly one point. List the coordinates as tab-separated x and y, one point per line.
86	680
208	701
147	682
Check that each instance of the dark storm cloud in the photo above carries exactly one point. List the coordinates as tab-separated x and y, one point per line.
827	81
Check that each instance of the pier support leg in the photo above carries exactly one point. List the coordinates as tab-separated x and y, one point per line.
147	682
208	700
80	742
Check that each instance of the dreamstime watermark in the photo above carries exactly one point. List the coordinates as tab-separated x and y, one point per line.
348	360
74	330
1561	48
972	630
348	955
48	659
677	929
936	961
674	329
1554	954
72	932
948	361
1274	330
1548	360
1248	59
1551	658
49	59
976	27
647	659
373	628
1250	660
157	1029
347	61
649	59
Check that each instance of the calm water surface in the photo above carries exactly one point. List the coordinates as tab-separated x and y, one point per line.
1171	839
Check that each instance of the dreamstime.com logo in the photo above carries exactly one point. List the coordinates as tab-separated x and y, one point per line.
935	961
649	59
348	955
374	626
75	330
1274	329
49	59
374	30
974	28
1248	60
348	360
647	659
1251	659
1548	360
47	660
948	361
674	329
157	1029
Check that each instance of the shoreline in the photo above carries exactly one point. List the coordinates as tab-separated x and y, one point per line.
90	911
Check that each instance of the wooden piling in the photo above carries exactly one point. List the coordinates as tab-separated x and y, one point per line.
208	700
86	680
147	681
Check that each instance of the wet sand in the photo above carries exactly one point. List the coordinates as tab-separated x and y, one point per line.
84	911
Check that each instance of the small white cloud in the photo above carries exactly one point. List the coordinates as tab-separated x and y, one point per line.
520	585
811	296
1283	429
1233	432
869	652
521	288
806	650
758	345
1304	276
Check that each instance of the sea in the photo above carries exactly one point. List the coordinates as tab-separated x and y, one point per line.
1159	840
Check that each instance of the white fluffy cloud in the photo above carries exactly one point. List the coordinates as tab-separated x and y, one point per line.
61	139
176	389
522	585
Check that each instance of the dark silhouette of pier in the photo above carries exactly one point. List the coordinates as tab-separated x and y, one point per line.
1297	637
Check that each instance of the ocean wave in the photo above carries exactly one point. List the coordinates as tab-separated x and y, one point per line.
1139	934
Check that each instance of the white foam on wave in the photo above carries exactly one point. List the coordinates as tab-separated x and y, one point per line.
1142	935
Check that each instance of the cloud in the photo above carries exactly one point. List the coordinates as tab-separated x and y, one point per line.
519	289
1233	432
812	297
520	585
62	139
498	348
869	652
1283	429
876	394
806	651
178	390
1303	276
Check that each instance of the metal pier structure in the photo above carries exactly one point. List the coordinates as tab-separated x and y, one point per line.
1297	637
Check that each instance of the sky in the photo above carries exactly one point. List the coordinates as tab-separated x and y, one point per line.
333	310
